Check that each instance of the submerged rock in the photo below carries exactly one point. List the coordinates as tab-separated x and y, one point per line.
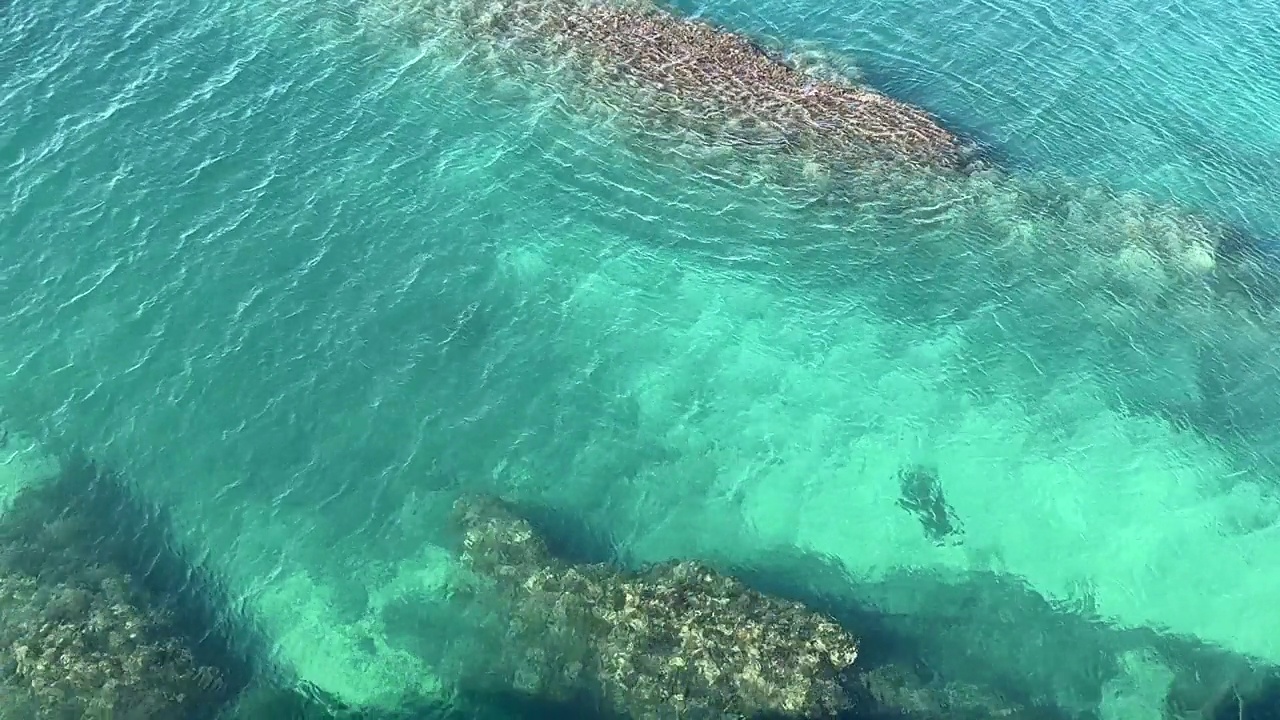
678	640
897	692
662	74
725	85
83	632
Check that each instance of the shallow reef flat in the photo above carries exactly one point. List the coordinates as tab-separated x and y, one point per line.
690	81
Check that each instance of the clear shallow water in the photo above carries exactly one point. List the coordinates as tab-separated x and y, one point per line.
303	280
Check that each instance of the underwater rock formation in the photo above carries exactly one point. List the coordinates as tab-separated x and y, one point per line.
564	624
895	691
686	79
678	640
86	647
586	630
83	632
689	90
731	89
932	218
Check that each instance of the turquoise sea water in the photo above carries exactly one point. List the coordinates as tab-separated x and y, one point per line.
303	274
1175	99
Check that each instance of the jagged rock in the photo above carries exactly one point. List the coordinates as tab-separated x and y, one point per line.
678	640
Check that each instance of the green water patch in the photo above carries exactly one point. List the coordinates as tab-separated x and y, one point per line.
797	422
1133	279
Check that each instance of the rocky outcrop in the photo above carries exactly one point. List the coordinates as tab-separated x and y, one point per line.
684	640
678	82
82	635
679	640
730	90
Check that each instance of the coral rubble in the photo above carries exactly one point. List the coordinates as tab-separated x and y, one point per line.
83	631
678	640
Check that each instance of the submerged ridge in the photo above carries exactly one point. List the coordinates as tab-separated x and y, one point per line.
733	89
695	81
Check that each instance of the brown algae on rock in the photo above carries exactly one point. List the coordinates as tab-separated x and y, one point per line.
683	79
81	635
729	87
677	640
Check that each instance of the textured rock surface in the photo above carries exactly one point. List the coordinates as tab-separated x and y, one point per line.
728	87
80	637
678	640
675	79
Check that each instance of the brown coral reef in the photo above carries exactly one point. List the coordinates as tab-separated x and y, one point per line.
677	641
681	640
80	637
732	90
687	80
